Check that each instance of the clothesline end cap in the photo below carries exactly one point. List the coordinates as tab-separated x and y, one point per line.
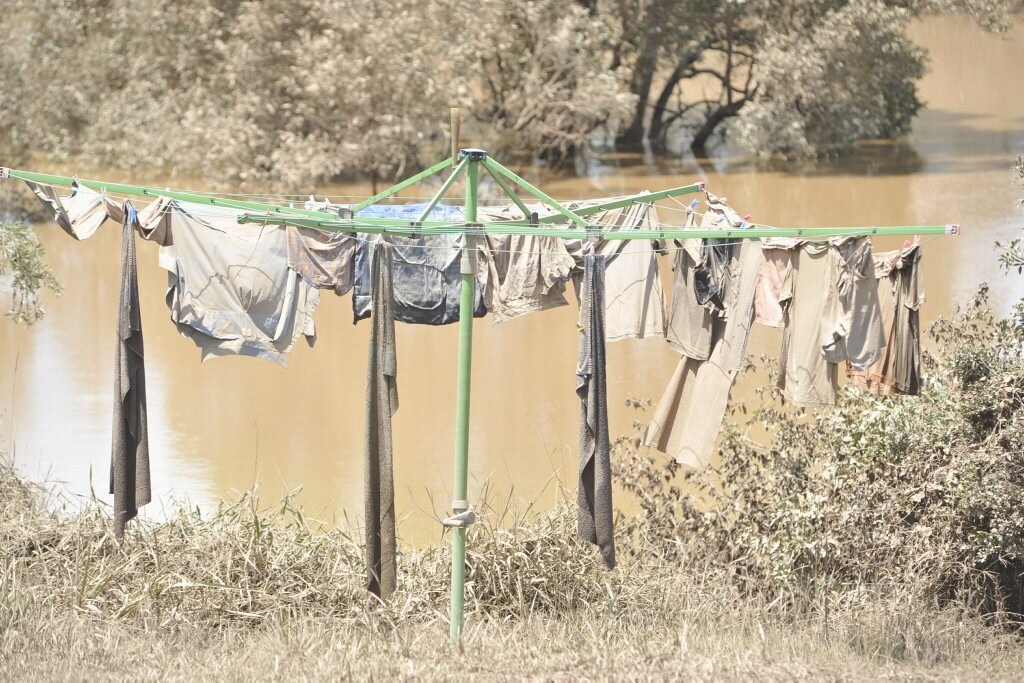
4	172
953	229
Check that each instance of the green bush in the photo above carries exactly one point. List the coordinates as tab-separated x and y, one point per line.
880	494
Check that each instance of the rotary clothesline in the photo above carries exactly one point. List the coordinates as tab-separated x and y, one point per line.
561	222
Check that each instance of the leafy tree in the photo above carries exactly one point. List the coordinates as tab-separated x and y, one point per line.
296	91
801	76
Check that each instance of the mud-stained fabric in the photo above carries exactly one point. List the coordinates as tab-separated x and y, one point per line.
154	221
129	450
806	377
713	271
323	260
689	323
777	259
595	521
81	213
521	274
428	281
230	289
900	287
688	417
634	297
852	326
381	405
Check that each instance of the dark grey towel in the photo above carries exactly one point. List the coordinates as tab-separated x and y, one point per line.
595	523
381	404
129	450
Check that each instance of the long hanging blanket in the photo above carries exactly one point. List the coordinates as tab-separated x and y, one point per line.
129	451
381	404
594	500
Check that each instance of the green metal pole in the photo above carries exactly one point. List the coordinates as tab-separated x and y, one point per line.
460	504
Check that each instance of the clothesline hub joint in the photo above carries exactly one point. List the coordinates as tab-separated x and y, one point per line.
345	213
473	154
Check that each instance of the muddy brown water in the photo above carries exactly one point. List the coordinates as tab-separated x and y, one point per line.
217	428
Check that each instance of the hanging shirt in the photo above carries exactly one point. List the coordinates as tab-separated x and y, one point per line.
634	297
230	289
698	265
323	260
689	324
900	288
852	325
594	495
806	377
428	280
381	405
81	213
774	269
129	449
689	415
522	274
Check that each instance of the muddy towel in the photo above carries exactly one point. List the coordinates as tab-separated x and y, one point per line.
129	450
595	486
381	404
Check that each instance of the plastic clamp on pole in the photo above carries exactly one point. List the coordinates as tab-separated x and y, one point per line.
462	515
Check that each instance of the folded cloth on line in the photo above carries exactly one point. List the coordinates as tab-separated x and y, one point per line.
595	521
81	213
230	289
129	449
381	405
322	259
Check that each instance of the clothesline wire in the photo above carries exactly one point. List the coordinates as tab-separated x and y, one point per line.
457	228
368	240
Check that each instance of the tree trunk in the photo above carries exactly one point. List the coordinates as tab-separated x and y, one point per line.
640	85
657	128
700	139
646	38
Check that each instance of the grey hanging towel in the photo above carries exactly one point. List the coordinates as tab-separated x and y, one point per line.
381	404
595	486
129	451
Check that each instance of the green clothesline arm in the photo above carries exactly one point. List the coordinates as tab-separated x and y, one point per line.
495	168
395	189
645	198
324	221
145	191
444	188
507	189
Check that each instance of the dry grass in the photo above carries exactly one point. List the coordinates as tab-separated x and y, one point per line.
255	593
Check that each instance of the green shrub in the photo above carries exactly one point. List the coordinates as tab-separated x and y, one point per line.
879	494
